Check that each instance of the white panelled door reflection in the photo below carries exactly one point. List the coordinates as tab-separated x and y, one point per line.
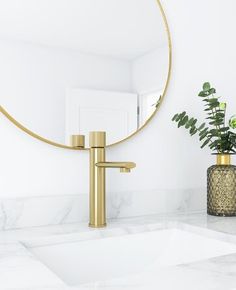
95	110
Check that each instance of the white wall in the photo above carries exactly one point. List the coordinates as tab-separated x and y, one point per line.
34	78
150	70
149	73
167	158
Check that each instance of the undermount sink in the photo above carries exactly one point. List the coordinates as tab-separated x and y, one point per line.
104	259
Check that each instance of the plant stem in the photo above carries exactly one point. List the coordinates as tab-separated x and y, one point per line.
217	128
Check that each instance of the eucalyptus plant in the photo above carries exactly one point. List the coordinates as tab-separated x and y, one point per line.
216	133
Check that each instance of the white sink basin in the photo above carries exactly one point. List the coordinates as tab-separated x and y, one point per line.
108	258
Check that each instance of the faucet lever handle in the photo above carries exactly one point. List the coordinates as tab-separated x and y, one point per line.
77	141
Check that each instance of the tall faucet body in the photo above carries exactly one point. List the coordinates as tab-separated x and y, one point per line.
98	165
97	188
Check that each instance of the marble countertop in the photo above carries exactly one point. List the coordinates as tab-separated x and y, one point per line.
20	269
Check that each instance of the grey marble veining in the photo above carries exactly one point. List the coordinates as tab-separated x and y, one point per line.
41	211
53	210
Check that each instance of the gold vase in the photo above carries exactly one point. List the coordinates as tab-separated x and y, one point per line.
221	187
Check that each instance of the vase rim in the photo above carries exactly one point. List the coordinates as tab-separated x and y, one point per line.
223	153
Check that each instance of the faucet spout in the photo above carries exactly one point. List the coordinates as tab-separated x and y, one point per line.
123	166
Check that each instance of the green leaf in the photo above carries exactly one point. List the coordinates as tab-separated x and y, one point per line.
212	146
224	129
183	121
214	133
216	123
175	116
206	86
203	131
194	122
178	118
202	126
202	94
216	142
211	118
193	131
220	115
214	105
213	100
190	122
203	136
182	114
212	91
206	142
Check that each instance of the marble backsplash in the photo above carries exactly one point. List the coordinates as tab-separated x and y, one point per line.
51	210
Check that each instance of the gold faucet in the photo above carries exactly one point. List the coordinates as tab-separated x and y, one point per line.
98	165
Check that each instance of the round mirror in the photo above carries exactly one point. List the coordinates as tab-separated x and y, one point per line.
69	67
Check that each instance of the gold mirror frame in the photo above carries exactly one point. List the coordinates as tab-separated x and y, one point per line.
34	135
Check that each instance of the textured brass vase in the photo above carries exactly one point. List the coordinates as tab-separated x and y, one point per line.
221	187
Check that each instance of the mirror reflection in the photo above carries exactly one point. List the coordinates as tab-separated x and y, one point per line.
70	67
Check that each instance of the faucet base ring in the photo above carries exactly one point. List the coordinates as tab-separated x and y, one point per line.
97	226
